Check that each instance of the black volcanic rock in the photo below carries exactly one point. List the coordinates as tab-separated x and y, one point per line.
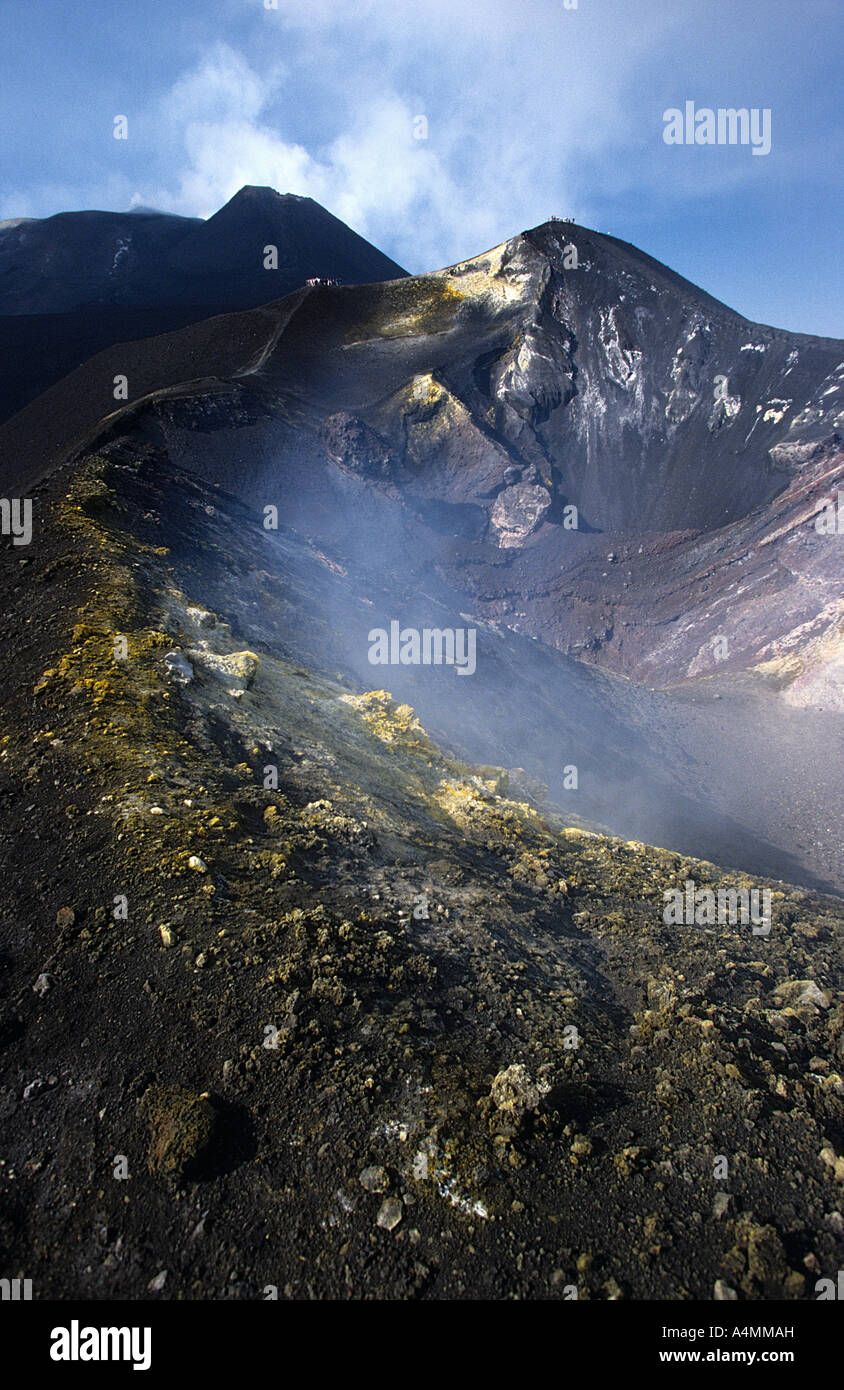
376	1026
75	283
352	443
59	263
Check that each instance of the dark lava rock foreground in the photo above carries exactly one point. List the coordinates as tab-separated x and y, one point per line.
293	999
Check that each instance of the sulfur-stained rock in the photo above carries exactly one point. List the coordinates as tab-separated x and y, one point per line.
181	1125
513	1096
237	669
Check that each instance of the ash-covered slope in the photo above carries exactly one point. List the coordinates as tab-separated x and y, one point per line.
361	1020
72	284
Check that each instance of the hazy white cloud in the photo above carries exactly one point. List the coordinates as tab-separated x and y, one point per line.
502	150
222	87
227	139
376	174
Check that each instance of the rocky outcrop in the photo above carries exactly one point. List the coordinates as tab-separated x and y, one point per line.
353	444
518	511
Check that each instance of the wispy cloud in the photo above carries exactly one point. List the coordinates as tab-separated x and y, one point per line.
375	174
507	126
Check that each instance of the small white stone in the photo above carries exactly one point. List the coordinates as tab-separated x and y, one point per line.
390	1214
179	669
723	1292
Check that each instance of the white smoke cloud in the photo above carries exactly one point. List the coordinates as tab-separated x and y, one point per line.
511	120
375	174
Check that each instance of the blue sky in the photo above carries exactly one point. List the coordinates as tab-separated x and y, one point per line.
532	108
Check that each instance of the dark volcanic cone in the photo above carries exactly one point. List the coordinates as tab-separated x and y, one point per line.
73	284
